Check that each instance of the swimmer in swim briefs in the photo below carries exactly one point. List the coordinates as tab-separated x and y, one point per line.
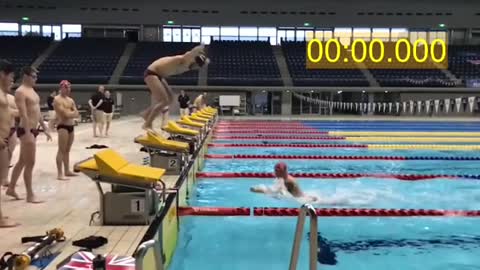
165	67
66	112
289	184
7	71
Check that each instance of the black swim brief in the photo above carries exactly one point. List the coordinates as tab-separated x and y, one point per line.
68	128
148	72
21	132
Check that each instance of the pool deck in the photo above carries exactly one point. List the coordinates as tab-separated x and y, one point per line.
69	204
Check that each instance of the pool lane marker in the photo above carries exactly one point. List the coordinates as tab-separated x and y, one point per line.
324	212
369	146
270	137
317	176
315	157
351	139
270	131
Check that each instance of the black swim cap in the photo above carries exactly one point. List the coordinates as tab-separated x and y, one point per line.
200	60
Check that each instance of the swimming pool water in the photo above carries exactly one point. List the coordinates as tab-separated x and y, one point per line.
360	243
446	167
338	151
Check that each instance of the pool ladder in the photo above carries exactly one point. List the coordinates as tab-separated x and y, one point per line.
305	210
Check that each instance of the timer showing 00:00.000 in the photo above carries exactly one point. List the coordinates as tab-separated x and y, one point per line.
377	54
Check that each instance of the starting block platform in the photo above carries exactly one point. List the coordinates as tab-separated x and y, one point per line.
136	192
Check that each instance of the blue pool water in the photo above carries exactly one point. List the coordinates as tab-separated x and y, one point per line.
337	151
361	243
347	166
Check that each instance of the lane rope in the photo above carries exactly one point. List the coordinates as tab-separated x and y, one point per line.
404	177
352	139
369	146
324	212
215	156
270	137
288	145
273	131
404	133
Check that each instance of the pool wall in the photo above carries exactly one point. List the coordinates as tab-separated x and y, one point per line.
165	228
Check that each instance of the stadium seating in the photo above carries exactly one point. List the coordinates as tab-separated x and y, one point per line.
464	62
295	55
412	78
82	60
22	51
147	52
243	63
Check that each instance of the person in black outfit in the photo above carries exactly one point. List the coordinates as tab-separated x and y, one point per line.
97	114
51	111
184	101
108	108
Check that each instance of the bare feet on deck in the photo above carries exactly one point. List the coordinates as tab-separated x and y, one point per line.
62	178
71	174
6	223
13	194
34	200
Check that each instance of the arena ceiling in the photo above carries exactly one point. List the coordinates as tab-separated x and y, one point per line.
395	13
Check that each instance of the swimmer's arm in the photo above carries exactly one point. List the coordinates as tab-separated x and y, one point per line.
75	110
44	127
60	109
13	110
21	103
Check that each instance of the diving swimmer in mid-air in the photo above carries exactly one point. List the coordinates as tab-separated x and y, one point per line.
285	184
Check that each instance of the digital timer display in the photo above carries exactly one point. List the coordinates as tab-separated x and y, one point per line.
377	54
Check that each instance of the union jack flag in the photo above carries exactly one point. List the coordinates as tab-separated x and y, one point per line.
83	260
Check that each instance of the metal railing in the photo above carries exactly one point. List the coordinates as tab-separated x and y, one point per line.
142	251
304	210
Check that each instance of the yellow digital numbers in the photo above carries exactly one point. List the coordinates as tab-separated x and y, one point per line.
377	54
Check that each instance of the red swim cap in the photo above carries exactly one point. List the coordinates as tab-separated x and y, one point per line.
64	83
281	166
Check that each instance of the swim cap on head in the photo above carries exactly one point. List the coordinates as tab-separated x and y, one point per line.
64	83
200	60
281	166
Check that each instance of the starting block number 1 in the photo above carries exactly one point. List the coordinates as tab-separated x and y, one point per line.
172	163
137	206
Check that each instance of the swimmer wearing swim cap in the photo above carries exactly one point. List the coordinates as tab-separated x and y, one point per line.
290	183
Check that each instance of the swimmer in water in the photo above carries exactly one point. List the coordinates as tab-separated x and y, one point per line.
288	184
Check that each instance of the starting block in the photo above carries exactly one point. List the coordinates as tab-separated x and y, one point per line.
168	154
135	196
183	134
187	122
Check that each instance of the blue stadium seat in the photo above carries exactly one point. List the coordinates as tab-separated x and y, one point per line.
22	51
83	61
301	76
243	63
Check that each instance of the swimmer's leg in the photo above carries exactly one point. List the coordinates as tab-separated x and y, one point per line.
161	98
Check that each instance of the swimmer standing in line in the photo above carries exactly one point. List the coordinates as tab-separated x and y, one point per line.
289	184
